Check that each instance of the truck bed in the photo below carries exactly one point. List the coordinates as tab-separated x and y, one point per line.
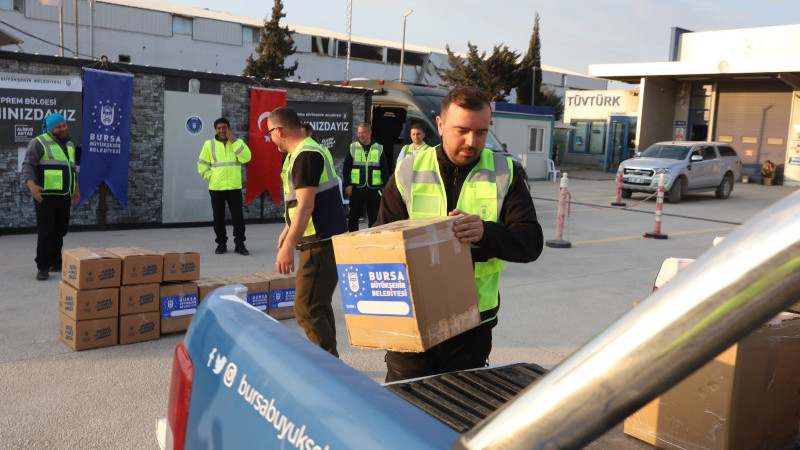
462	399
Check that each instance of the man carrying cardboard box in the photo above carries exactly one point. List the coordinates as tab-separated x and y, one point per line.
314	213
454	179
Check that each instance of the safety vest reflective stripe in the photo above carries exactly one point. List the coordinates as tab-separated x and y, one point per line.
223	168
484	189
57	166
215	163
408	150
327	217
366	170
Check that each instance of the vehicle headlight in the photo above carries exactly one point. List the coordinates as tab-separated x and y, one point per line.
663	170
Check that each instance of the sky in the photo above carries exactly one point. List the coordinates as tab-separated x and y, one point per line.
573	34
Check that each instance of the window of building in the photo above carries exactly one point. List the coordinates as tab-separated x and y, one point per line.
320	45
409	58
14	5
361	51
535	139
181	25
250	35
588	136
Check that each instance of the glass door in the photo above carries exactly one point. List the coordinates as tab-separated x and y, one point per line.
621	141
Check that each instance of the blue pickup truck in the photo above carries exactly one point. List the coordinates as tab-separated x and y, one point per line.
242	380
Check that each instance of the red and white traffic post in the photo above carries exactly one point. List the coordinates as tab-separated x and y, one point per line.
656	234
559	242
619	201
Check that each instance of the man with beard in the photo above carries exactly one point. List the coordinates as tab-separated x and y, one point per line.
496	216
49	173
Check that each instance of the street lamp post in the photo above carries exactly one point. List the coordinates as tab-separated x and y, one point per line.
403	45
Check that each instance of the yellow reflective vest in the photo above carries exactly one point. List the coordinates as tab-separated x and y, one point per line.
58	168
221	164
366	170
422	190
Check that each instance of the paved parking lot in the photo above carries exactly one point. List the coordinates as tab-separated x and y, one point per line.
53	397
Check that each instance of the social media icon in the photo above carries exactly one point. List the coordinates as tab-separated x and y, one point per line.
230	374
219	364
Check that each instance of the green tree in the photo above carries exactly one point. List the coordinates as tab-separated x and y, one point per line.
551	98
276	44
496	75
531	64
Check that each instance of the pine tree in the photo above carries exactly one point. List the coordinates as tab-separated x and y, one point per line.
275	45
495	75
531	64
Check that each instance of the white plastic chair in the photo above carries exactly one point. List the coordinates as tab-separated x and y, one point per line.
551	169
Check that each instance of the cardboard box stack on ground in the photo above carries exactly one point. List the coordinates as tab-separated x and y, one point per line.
747	397
88	298
406	286
142	270
281	294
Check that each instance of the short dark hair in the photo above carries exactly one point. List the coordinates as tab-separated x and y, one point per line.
286	117
222	120
417	125
466	97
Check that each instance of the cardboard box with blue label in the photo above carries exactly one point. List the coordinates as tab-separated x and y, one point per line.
406	286
257	289
281	294
139	265
178	305
206	285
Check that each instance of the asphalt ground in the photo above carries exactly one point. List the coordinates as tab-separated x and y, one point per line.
52	397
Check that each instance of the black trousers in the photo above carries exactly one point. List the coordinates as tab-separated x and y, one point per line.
359	199
468	350
315	282
52	220
234	199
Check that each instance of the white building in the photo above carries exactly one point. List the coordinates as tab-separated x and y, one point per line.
161	34
736	86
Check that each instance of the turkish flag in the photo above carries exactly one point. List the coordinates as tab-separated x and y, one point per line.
264	168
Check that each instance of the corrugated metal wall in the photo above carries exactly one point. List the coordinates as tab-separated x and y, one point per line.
756	115
217	31
115	17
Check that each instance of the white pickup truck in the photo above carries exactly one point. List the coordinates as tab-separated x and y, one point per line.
686	167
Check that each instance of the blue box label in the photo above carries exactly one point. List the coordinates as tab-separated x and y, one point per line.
375	289
281	298
258	299
178	305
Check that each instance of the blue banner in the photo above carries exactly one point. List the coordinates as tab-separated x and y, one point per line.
106	134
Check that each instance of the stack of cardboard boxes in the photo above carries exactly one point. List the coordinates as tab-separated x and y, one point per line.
88	298
132	294
138	294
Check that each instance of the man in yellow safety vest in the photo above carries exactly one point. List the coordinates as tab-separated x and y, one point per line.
461	177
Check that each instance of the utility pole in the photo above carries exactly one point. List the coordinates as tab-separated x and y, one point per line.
403	45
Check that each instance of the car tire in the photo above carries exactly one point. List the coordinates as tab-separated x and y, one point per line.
725	187
676	191
626	193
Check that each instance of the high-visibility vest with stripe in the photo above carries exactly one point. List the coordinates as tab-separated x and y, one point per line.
366	170
408	150
421	188
327	218
57	168
221	164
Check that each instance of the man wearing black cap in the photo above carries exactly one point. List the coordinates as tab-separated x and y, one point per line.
49	172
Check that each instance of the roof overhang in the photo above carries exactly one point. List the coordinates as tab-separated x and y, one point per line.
780	68
7	38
